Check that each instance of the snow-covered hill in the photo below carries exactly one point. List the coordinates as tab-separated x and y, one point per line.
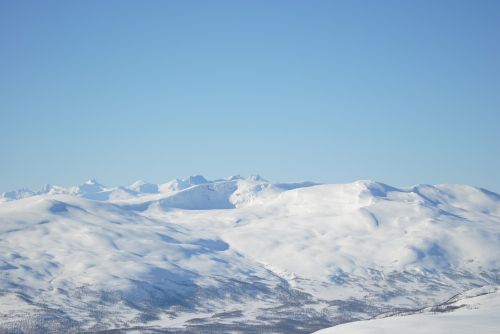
478	311
238	254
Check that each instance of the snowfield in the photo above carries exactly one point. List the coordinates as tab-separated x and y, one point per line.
244	255
465	315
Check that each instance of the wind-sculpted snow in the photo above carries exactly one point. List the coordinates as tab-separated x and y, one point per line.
236	254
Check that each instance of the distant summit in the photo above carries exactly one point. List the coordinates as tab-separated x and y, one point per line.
141	186
196	179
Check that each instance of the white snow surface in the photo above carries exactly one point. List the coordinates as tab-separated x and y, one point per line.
238	252
474	314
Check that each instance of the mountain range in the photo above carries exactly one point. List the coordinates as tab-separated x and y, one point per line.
238	254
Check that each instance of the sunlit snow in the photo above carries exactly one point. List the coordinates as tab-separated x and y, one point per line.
239	254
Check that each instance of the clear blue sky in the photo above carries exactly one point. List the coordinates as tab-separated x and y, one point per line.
402	92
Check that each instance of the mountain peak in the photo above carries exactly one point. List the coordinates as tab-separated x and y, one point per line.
256	177
196	179
137	183
92	182
374	188
46	188
142	186
234	178
90	186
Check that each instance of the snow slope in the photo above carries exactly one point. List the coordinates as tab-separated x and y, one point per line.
470	315
239	254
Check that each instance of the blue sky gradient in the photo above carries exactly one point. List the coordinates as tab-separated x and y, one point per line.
402	92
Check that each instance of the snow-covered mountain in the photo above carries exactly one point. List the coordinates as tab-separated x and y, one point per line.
238	254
